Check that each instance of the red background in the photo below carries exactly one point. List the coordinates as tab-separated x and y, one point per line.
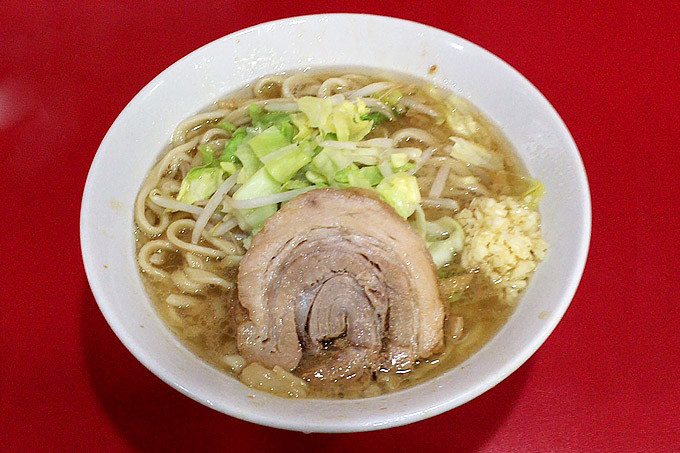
606	380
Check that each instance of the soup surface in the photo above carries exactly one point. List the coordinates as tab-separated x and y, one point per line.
475	208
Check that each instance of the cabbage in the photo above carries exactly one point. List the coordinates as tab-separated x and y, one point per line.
268	141
372	174
302	123
263	120
332	160
250	163
459	116
534	193
362	177
356	178
226	125
207	154
259	184
475	154
237	138
347	122
445	237
344	120
391	96
318	112
284	163
399	159
199	184
342	176
316	178
376	117
294	184
401	191
229	167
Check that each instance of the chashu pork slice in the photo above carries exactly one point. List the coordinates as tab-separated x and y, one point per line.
339	277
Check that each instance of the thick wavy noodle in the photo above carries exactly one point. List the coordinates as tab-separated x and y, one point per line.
192	283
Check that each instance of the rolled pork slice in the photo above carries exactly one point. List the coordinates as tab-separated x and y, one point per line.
339	278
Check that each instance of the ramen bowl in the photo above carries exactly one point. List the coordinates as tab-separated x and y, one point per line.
137	137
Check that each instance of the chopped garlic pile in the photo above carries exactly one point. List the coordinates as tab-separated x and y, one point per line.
503	240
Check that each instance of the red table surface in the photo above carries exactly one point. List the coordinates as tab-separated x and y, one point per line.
607	378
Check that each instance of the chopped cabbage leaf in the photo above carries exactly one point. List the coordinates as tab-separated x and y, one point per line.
376	117
250	163
199	184
207	154
331	160
293	184
229	167
263	120
372	174
302	123
237	138
347	122
316	178
285	163
401	191
344	120
226	125
459	116
318	112
534	193
399	159
342	176
258	185
445	237
356	178
391	96
268	141
475	154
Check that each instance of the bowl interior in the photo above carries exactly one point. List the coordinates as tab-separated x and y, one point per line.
144	127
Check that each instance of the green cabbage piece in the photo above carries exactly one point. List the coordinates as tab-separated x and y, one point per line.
344	120
293	184
262	120
354	176
226	125
347	122
207	154
376	117
342	176
199	184
250	163
229	167
268	141
285	163
301	122
391	96
317	111
445	237
237	138
258	185
398	159
460	117
401	191
316	178
534	194
475	154
372	174
331	160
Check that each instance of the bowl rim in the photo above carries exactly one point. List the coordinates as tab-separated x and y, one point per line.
389	420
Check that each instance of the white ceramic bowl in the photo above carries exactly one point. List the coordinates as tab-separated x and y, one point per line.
144	127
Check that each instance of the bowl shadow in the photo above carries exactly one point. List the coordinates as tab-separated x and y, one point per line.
152	416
